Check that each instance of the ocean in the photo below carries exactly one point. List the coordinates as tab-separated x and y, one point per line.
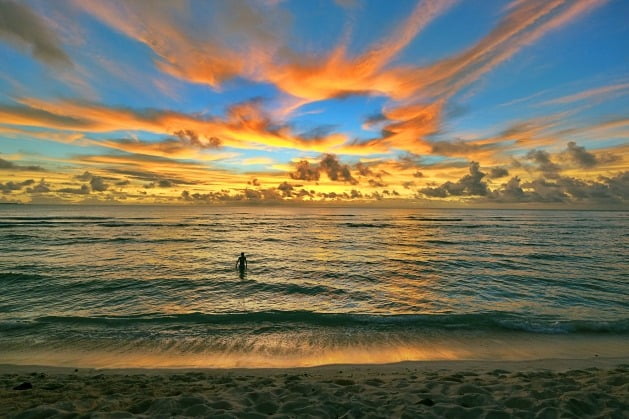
156	286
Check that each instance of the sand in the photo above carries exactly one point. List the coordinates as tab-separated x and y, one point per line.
459	389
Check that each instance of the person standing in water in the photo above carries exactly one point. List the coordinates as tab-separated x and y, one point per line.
241	264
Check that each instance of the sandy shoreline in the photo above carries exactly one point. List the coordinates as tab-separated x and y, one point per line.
597	387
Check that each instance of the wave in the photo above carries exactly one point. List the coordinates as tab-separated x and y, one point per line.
446	219
366	225
15	276
488	321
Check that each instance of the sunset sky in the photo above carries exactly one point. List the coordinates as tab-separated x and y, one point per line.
405	102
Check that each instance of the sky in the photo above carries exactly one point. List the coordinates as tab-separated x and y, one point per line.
429	103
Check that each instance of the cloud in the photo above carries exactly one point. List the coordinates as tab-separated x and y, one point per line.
41	187
563	189
468	185
329	165
98	184
247	195
498	172
579	156
82	190
20	26
286	189
246	126
335	170
305	171
9	165
544	163
454	148
84	177
11	186
599	92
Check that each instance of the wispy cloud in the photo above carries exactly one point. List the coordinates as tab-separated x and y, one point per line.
596	93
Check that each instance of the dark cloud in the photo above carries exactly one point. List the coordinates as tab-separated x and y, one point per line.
330	165
468	185
41	187
10	186
498	172
565	189
252	195
376	183
83	190
544	163
579	156
85	177
122	182
363	169
335	170
98	184
305	171
22	27
418	174
286	189
151	177
8	165
254	182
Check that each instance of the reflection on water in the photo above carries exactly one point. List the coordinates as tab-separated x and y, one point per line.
322	284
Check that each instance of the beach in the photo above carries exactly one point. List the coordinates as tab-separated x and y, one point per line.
596	387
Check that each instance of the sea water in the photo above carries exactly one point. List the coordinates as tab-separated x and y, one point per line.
156	286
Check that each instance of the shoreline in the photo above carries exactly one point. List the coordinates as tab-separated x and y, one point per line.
539	388
553	364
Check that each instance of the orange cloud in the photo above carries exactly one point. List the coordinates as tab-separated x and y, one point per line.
245	126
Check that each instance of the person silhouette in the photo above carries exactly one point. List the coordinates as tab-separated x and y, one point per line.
241	263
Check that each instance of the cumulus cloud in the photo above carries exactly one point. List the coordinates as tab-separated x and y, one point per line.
498	172
328	164
544	163
305	171
41	187
468	185
247	195
564	189
98	184
579	156
20	26
286	189
10	186
335	170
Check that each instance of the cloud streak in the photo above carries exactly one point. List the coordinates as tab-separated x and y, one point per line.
23	28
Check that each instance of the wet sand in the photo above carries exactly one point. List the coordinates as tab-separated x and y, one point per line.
597	387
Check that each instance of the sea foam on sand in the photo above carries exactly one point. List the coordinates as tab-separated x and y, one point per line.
460	389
